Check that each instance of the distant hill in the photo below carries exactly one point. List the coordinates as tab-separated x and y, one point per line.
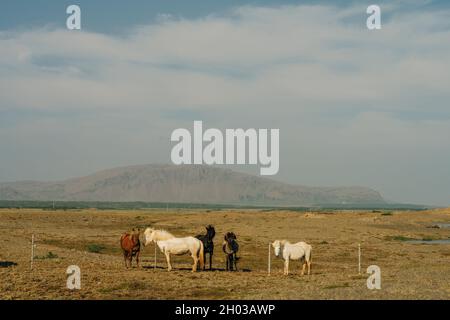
186	184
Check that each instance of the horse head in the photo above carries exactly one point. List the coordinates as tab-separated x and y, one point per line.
135	234
149	234
277	247
229	236
210	232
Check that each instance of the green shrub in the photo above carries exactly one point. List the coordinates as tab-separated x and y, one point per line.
50	255
95	248
399	238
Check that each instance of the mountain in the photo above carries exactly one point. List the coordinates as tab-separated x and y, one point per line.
185	184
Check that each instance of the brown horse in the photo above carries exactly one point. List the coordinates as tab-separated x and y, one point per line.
131	246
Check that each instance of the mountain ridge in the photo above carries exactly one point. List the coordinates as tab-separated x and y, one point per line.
185	184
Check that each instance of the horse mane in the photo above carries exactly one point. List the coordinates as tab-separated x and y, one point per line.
165	233
283	242
210	231
230	235
160	234
133	232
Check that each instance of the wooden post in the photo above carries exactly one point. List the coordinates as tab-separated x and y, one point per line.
268	262
359	258
154	265
32	252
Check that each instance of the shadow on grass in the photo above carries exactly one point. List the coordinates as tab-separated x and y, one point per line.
153	267
7	264
189	269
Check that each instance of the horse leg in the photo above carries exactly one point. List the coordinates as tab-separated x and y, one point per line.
169	266
137	258
303	268
194	267
125	259
227	262
286	267
309	267
204	259
210	260
235	262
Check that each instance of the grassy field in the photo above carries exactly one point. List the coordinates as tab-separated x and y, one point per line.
90	239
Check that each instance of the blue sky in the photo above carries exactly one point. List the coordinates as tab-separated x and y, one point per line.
110	16
354	107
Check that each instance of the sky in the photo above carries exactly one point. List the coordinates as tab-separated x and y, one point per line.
354	106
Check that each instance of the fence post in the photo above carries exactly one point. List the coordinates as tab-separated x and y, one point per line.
32	252
359	258
154	265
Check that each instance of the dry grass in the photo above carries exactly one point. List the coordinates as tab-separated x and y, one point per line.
409	271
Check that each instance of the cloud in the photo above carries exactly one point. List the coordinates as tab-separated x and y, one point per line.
314	71
304	54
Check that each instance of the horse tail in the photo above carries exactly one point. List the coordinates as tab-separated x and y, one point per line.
201	255
308	256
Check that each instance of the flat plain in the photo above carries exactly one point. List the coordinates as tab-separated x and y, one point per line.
90	240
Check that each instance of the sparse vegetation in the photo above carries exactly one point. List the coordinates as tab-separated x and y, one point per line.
337	286
49	255
129	285
95	248
399	238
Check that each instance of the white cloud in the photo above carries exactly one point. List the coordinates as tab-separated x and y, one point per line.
304	53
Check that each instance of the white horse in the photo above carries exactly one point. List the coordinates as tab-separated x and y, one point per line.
169	244
293	251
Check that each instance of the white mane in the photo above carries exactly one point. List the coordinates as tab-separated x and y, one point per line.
158	235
